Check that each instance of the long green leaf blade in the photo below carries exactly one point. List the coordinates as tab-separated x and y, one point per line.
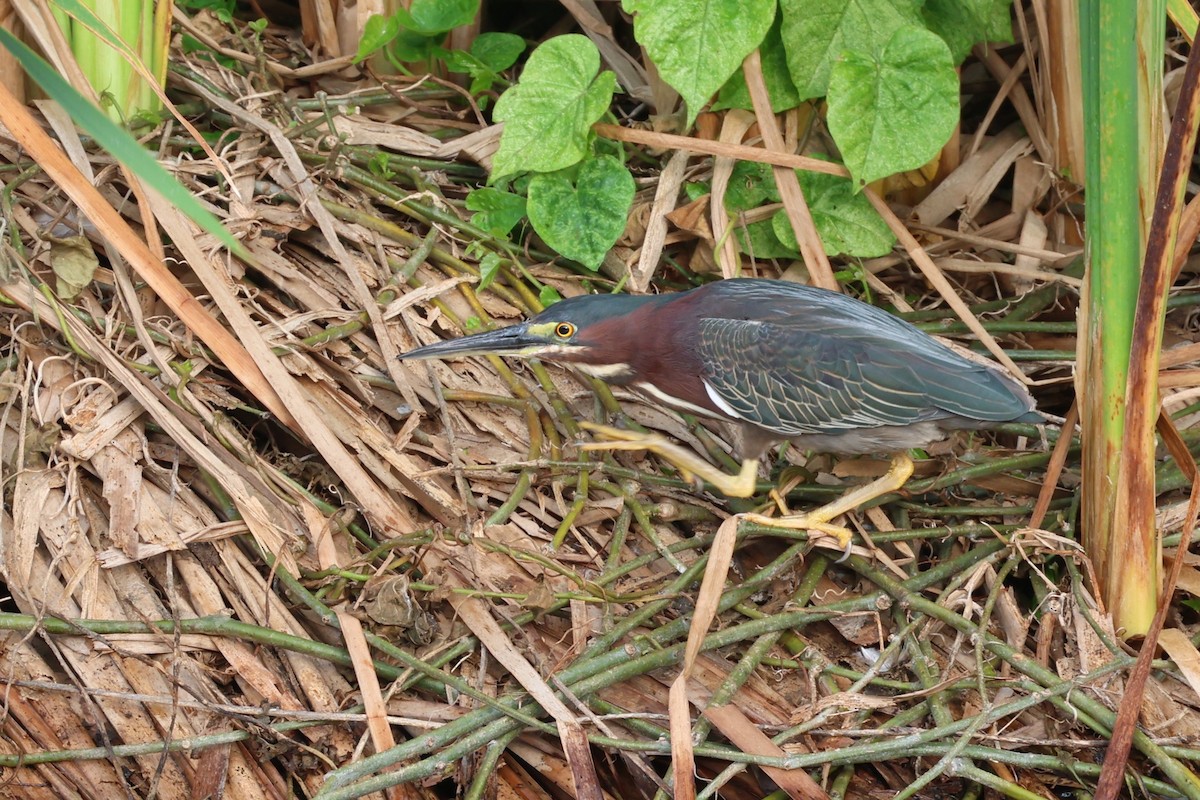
116	140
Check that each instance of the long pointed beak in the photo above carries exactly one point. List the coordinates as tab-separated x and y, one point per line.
513	340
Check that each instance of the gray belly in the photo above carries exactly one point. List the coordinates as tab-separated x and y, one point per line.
874	441
879	441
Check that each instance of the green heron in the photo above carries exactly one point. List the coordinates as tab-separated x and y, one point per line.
782	361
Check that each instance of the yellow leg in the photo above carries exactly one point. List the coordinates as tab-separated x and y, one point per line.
687	462
742	484
900	470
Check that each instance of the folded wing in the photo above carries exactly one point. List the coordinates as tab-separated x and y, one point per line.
842	375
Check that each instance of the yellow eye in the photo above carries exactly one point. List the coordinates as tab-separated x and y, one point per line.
564	330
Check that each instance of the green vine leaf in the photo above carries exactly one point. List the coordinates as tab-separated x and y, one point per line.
432	17
582	220
548	114
962	23
845	219
783	94
816	33
378	32
498	51
496	212
896	108
696	46
488	56
489	268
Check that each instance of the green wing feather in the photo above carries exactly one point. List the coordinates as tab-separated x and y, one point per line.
808	374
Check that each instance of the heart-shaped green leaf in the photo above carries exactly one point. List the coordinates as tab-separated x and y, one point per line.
846	221
816	33
893	109
497	51
548	115
697	46
496	212
379	30
432	17
962	23
582	220
780	88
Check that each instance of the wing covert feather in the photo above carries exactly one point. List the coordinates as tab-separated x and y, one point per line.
842	375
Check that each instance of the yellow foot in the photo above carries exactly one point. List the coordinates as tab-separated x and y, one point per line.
687	462
806	522
819	519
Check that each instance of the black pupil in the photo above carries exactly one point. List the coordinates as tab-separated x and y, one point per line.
564	330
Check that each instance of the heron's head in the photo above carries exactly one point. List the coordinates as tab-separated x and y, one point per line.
597	333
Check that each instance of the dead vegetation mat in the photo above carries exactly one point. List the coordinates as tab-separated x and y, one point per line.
372	573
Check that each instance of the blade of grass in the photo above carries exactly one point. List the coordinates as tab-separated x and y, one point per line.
117	141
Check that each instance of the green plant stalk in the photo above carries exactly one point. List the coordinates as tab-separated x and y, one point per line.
105	35
653	658
109	73
604	663
83	46
143	40
1117	223
128	22
159	49
750	661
